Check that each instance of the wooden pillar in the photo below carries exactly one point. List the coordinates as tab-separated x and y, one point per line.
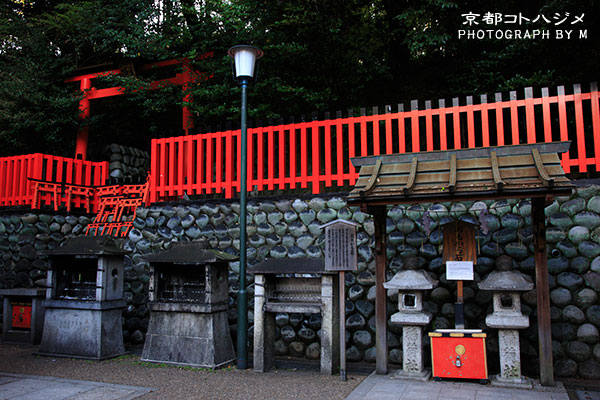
379	214
187	116
81	142
543	292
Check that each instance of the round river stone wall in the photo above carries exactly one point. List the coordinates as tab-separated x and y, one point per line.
127	162
289	228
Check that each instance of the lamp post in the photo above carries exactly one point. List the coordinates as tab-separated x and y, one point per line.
244	59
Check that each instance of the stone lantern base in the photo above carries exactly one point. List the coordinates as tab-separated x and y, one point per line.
412	353
517	383
510	361
422	376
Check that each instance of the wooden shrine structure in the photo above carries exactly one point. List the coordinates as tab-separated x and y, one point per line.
507	172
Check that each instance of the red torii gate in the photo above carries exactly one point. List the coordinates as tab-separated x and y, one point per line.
184	79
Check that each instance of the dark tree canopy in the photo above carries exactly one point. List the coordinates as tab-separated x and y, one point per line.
320	55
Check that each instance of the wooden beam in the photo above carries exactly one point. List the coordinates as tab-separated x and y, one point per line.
372	179
543	292
412	175
541	170
496	172
379	215
452	180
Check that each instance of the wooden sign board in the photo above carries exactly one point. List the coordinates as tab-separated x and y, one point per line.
459	270
459	242
340	246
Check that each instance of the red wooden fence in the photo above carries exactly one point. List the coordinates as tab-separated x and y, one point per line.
318	152
17	174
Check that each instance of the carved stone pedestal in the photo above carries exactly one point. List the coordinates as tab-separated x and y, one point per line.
412	355
510	361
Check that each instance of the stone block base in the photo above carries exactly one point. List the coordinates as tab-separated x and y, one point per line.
187	338
415	376
86	329
522	383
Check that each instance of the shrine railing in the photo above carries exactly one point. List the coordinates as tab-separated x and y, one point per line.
20	175
318	152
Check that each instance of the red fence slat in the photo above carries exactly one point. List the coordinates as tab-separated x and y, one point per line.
351	145
316	167
442	115
470	122
581	153
153	168
281	146
530	115
564	133
414	124
456	123
428	126
376	138
546	115
485	126
328	166
388	131
339	138
499	119
595	122
514	118
293	151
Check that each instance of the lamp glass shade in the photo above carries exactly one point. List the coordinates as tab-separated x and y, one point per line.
244	58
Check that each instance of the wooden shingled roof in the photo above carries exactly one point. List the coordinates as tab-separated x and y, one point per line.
531	170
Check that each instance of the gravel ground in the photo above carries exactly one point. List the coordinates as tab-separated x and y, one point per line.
173	382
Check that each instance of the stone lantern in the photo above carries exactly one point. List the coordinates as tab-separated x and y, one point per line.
411	284
507	317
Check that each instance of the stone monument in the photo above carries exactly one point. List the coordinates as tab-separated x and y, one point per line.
188	307
507	317
411	283
295	285
84	301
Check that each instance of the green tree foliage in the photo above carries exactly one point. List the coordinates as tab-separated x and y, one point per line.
320	55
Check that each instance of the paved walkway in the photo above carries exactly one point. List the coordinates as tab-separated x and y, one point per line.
385	387
30	387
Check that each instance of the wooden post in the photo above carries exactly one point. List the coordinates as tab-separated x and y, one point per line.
459	307
543	292
343	377
380	292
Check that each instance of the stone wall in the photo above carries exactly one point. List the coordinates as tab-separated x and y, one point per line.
23	236
290	228
127	163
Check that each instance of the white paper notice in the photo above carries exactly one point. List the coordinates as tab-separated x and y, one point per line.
459	270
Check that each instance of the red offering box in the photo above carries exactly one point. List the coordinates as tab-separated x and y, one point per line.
458	353
21	315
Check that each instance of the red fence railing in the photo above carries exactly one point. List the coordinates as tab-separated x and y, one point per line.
318	152
17	174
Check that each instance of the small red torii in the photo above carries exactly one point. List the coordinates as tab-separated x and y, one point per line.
184	79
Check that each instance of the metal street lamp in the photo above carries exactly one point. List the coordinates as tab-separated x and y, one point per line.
244	59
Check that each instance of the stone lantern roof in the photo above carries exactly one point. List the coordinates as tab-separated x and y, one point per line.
89	246
504	279
411	280
190	253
